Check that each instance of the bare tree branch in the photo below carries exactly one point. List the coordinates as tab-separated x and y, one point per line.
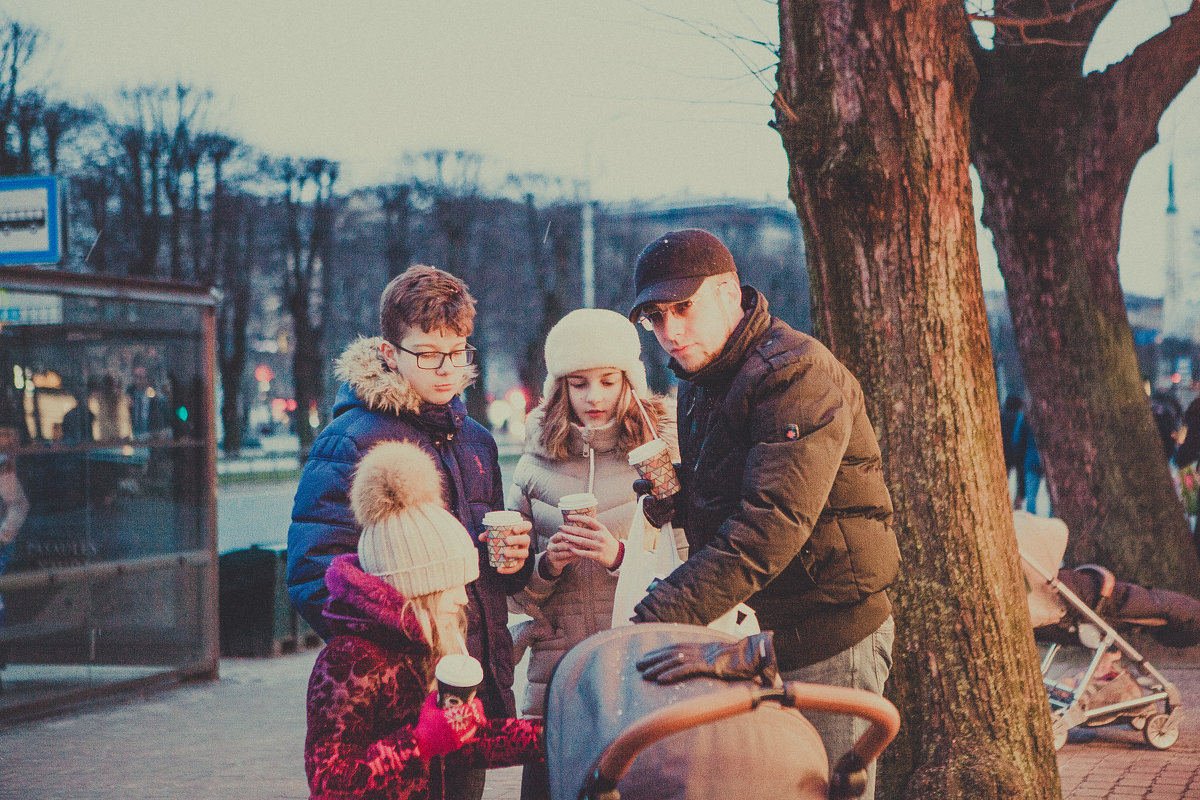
1001	20
723	37
1013	21
1138	89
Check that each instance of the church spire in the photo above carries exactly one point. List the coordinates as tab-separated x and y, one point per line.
1171	208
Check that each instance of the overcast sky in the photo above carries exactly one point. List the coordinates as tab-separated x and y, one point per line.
650	100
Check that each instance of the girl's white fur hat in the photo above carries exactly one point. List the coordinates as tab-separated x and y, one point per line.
408	538
594	337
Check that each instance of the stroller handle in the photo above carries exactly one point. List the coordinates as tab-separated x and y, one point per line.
618	757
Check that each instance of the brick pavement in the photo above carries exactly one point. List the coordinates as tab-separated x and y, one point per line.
242	737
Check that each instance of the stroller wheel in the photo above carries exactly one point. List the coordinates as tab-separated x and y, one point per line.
1158	735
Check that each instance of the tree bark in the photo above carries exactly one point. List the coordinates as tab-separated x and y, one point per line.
233	313
397	211
307	284
872	108
1055	152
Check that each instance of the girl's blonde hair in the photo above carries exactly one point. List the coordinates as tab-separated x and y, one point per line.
444	637
633	430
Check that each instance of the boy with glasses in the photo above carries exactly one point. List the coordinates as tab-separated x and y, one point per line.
405	386
783	498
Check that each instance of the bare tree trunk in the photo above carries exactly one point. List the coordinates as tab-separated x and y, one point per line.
307	375
96	192
549	285
151	233
196	215
872	107
133	218
397	211
18	43
233	314
29	117
1055	152
307	283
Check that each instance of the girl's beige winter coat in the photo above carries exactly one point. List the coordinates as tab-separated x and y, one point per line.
579	602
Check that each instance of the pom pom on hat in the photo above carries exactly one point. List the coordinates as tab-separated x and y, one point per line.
594	337
408	537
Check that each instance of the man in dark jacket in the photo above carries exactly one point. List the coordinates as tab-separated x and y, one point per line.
405	386
784	501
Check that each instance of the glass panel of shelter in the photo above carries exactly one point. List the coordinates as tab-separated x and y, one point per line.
99	414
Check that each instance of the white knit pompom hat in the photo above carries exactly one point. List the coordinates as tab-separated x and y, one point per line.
594	337
409	539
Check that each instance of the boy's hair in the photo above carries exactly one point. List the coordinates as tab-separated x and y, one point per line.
632	428
427	298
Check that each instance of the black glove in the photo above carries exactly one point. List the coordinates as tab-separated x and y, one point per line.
752	658
658	512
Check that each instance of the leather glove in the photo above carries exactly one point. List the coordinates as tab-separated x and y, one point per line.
443	730
752	658
658	512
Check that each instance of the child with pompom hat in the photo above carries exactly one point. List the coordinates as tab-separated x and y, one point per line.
395	608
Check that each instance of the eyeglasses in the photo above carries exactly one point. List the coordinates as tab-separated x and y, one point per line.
657	315
434	359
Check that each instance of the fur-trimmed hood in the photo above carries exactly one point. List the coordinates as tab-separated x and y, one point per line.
379	388
362	604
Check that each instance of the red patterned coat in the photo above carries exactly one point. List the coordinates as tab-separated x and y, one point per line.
365	695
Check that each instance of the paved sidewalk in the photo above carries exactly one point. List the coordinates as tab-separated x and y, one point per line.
1115	761
243	737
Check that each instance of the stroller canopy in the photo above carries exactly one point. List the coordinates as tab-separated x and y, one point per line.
596	692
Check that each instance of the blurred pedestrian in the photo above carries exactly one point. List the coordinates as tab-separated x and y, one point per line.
1032	468
1187	457
1029	469
14	506
1168	418
1011	415
376	725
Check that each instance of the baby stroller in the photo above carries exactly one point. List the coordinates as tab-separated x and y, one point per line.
1087	604
611	734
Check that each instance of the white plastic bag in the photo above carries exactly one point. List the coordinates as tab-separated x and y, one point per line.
644	561
741	621
651	555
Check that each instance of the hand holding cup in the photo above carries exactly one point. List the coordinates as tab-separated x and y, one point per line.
559	553
506	535
459	677
440	731
587	537
652	461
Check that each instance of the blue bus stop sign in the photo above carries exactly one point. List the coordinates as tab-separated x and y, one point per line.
30	221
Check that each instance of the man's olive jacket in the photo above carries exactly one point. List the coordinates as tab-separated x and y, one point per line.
784	500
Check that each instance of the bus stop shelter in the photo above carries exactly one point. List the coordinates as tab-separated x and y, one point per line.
107	427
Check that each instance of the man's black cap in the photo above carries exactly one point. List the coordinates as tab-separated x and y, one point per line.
673	266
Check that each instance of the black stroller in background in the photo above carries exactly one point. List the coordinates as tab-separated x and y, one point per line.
612	734
1087	605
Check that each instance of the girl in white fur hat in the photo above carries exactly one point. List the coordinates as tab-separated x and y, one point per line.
395	608
596	407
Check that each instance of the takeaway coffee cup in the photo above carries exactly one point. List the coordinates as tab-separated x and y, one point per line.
458	679
583	504
653	462
499	524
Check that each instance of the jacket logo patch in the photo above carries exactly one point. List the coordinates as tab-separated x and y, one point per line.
479	464
791	433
